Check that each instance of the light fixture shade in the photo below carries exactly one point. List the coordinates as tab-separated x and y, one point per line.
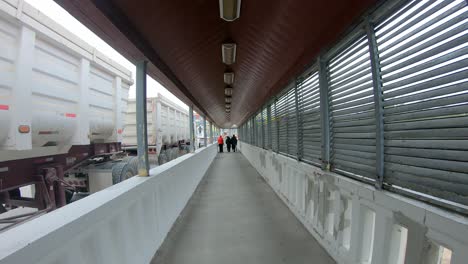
229	10
228	99
229	78
229	53
228	91
228	110
228	106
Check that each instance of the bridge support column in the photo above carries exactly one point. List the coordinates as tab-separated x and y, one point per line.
204	131
192	131
142	130
211	132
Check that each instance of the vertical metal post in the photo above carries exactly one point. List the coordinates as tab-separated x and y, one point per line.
211	132
277	127
270	145
287	123
251	132
192	130
298	122
378	103
263	128
142	130
324	113
254	130
204	131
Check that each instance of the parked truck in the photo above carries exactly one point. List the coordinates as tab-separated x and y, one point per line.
168	128
62	106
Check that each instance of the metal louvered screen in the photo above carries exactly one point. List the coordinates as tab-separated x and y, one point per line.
309	106
388	105
352	113
424	62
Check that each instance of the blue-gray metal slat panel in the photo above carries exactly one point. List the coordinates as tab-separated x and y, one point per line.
428	94
438	164
360	148
384	26
437	45
359	169
353	103
427	84
431	113
361	122
437	133
450	176
355	159
457	54
435	187
411	26
427	37
437	102
451	122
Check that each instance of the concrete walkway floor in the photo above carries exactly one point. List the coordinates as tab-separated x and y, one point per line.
235	217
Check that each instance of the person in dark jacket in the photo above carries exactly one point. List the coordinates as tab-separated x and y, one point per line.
220	143
228	143
233	143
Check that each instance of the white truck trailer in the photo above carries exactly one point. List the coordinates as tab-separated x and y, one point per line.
62	105
168	128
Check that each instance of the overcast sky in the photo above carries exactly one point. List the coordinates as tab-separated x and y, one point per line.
57	13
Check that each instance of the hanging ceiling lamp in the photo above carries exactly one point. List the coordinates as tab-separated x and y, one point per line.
228	99
229	78
229	53
229	10
228	91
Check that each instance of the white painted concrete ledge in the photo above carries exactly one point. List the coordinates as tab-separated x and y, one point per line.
355	222
125	223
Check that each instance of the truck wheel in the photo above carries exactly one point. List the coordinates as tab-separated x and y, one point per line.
133	161
122	171
172	154
162	158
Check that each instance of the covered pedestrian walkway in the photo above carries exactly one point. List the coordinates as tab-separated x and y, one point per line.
351	119
235	217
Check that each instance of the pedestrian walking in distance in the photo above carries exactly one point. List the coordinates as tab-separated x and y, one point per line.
228	143
233	143
220	143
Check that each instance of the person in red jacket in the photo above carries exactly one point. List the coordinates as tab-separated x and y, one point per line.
220	143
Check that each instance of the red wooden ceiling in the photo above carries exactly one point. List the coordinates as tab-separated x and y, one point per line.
276	39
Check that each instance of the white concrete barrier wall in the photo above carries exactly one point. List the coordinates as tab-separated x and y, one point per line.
125	223
355	222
